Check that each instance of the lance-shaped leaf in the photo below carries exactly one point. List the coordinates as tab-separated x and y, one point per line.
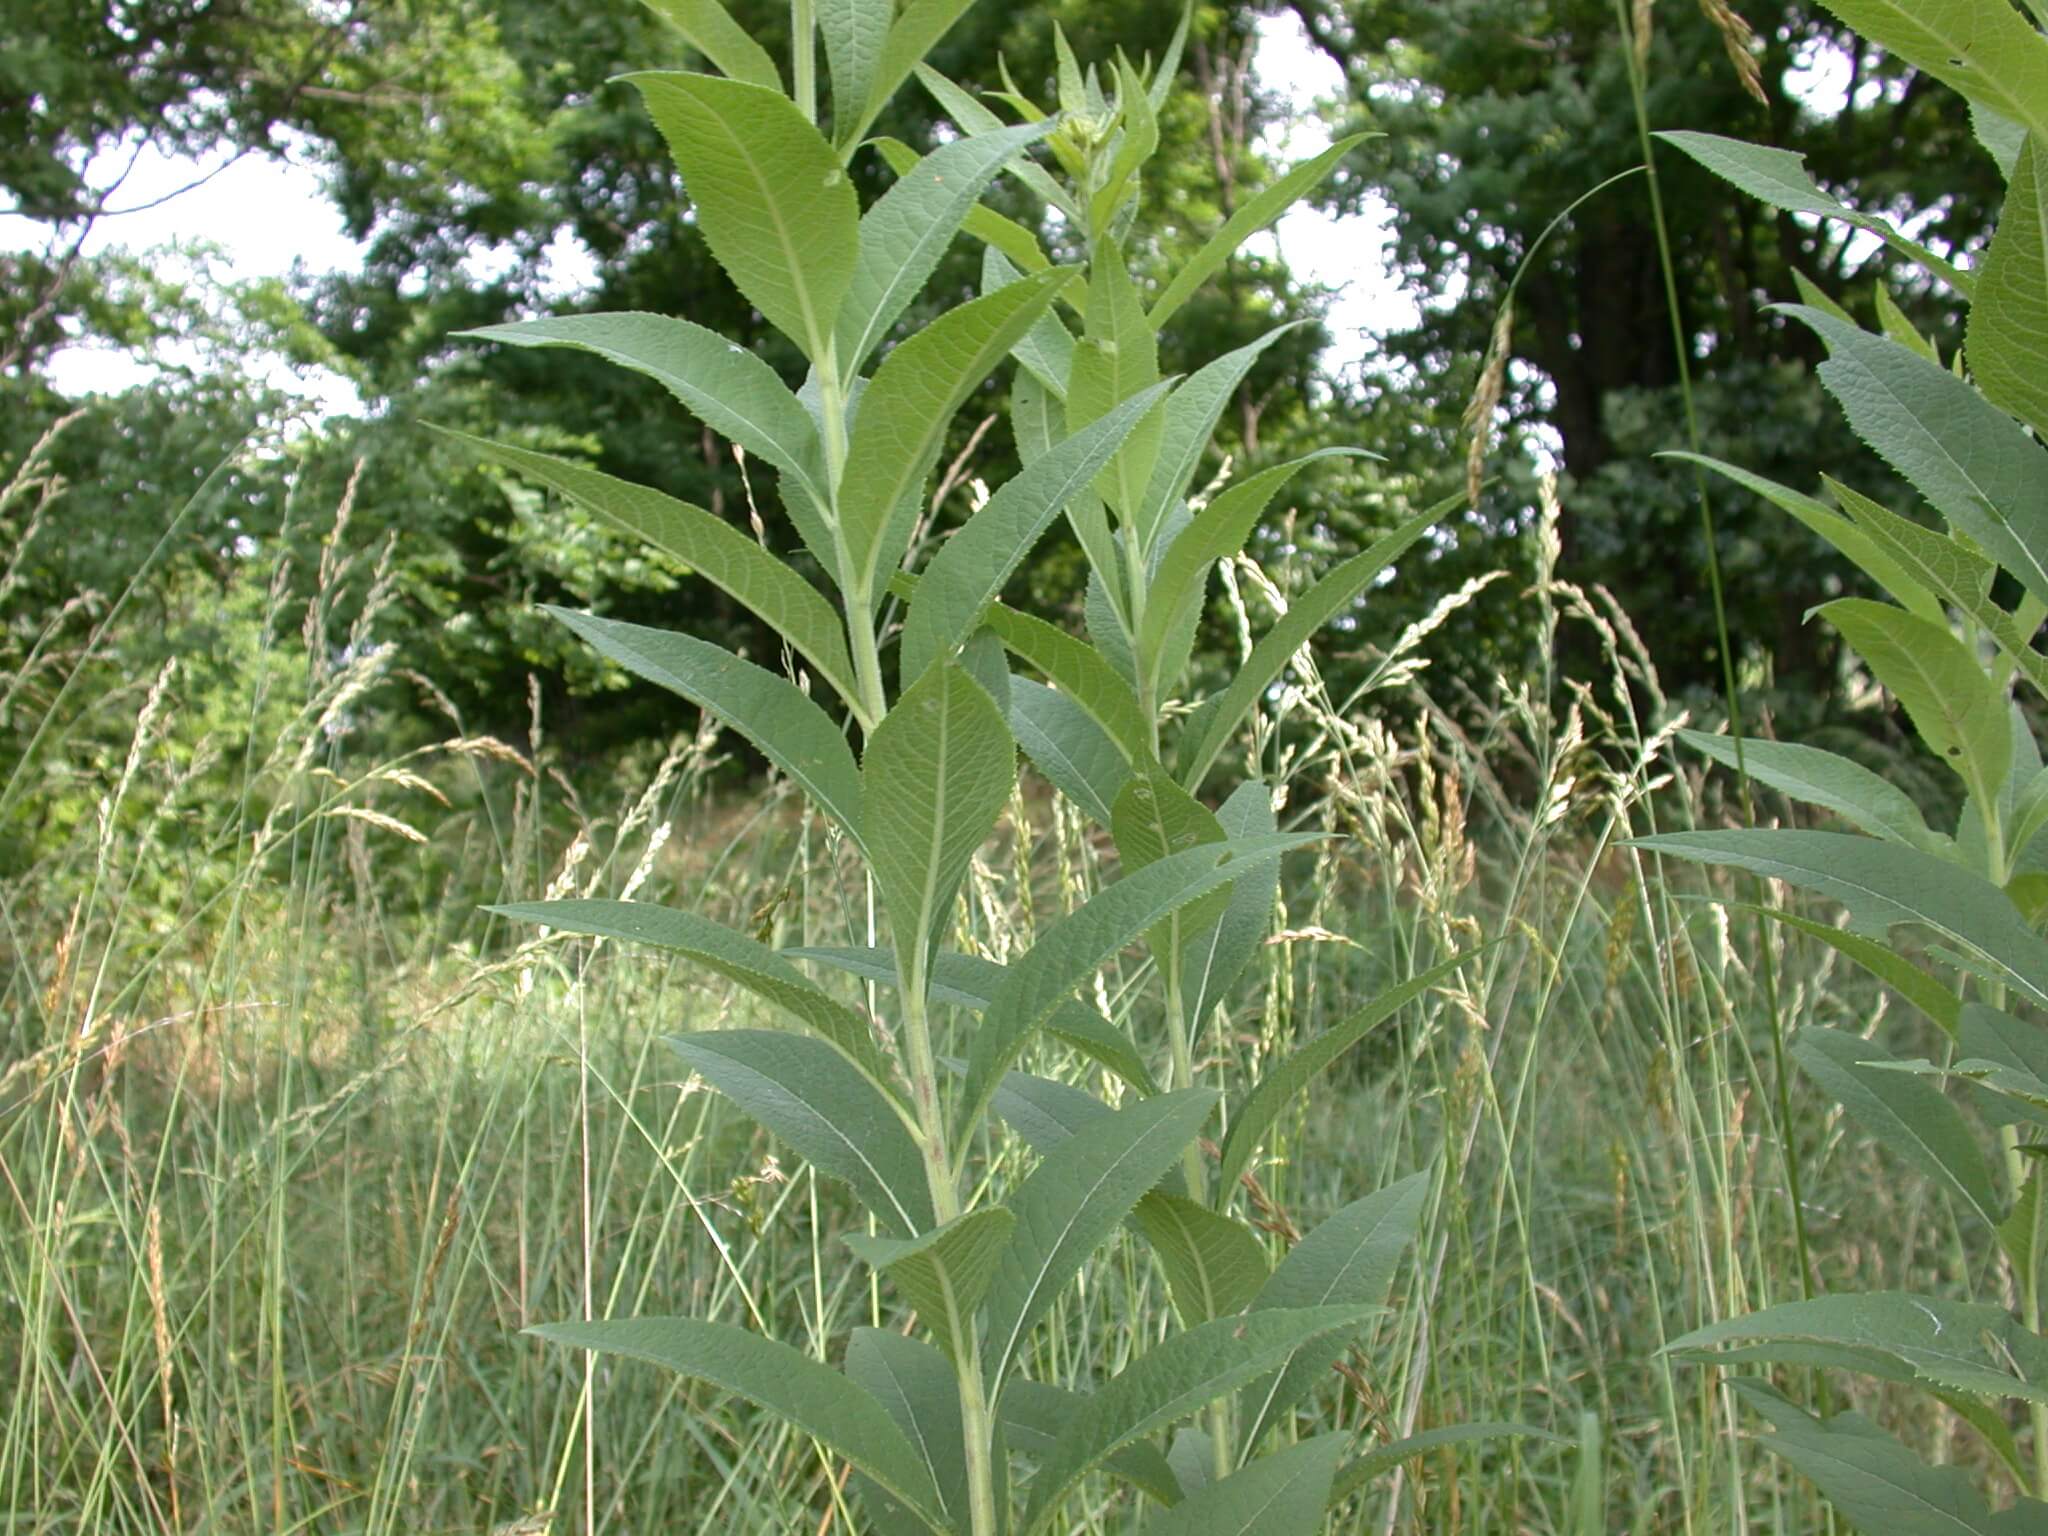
1217	532
1828	780
1118	357
909	228
1952	1345
1927	993
972	566
1987	1036
1349	1260
1254	216
907	408
1251	1120
1065	744
1382	1459
774	203
856	32
1071	950
1883	885
1078	1194
1989	53
1186	425
731	390
1169	1381
1854	544
1079	672
919	26
1213	1264
788	1383
708	27
1284	1494
945	1273
2008	340
709	545
1875	1481
1153	817
1906	1114
970	981
1033	1413
938	772
1047	350
773	713
1959	710
734	956
1017	244
1214	958
814	1099
1045	1113
1780	178
1212	727
917	1389
1976	465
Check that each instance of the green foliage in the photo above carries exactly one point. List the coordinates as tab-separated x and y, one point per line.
1948	654
1113	446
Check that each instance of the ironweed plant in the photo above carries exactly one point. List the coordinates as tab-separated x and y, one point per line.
1966	435
940	1427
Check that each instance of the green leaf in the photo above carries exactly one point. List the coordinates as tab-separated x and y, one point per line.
709	545
1118	357
1153	817
1848	537
1213	1264
1906	1114
1217	532
814	1099
1254	216
1186	425
916	1388
1077	670
1066	745
1958	709
972	566
907	408
771	712
2000	136
1780	178
945	1273
732	955
1927	993
1212	961
1349	1260
1078	1194
1006	235
1882	885
2008	339
1310	612
1169	1381
774	203
1072	949
938	772
1044	1113
856	32
1033	1413
728	388
1976	465
1384	1458
1279	1495
1252	1119
909	228
974	118
1832	782
1991	1035
919	27
708	27
1875	1481
815	1398
1953	1345
1985	50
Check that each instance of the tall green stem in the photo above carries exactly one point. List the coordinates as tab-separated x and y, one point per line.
803	55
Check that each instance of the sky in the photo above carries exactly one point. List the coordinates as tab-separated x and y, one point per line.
267	217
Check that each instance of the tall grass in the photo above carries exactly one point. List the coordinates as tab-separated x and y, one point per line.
293	1141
